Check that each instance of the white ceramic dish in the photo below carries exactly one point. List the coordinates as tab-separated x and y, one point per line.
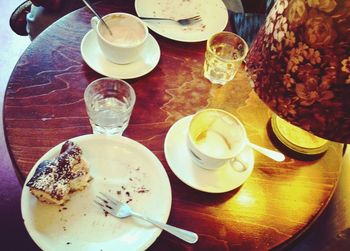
94	58
221	180
119	166
213	13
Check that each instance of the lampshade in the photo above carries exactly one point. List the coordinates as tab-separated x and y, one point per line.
300	65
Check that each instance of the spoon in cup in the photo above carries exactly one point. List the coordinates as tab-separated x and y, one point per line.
97	15
277	156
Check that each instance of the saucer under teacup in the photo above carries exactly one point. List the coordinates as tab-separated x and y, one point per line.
179	158
94	58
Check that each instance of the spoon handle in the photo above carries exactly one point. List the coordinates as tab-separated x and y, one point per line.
183	234
96	14
277	156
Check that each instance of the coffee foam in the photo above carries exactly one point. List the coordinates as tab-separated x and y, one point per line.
215	144
218	135
126	31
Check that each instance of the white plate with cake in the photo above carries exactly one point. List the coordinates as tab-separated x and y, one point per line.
57	198
213	13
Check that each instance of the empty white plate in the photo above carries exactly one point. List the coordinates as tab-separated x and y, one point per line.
94	58
221	180
120	167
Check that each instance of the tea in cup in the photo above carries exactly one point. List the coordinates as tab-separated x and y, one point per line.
214	137
124	41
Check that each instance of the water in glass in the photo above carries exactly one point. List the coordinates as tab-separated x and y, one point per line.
109	103
110	116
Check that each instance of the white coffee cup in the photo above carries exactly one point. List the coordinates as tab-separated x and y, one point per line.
127	40
215	137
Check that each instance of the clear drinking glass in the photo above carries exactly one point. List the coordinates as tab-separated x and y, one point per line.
223	57
109	103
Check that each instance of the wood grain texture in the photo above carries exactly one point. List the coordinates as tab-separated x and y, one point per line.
44	106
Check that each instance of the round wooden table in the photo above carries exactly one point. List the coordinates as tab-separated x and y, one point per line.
44	106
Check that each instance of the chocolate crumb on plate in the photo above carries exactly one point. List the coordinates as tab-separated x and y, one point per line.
142	190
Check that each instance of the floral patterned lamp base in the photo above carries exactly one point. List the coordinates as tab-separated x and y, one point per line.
300	65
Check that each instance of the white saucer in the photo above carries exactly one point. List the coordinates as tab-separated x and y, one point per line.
221	180
94	58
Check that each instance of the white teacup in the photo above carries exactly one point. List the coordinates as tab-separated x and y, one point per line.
215	137
127	40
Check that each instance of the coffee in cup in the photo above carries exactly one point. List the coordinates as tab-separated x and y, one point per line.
123	42
214	137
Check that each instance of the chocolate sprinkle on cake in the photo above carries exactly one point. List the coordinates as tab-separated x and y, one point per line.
54	179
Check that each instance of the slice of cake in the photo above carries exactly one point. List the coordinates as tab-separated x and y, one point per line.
53	180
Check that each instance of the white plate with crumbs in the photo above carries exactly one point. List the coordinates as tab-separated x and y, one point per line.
120	167
214	18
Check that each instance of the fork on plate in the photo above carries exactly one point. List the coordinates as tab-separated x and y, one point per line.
183	21
119	209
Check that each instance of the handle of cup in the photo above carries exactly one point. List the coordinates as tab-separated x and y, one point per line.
93	23
238	165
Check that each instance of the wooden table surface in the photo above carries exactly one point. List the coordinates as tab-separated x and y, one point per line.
44	106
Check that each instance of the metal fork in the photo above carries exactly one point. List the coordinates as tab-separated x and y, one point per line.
183	21
119	209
